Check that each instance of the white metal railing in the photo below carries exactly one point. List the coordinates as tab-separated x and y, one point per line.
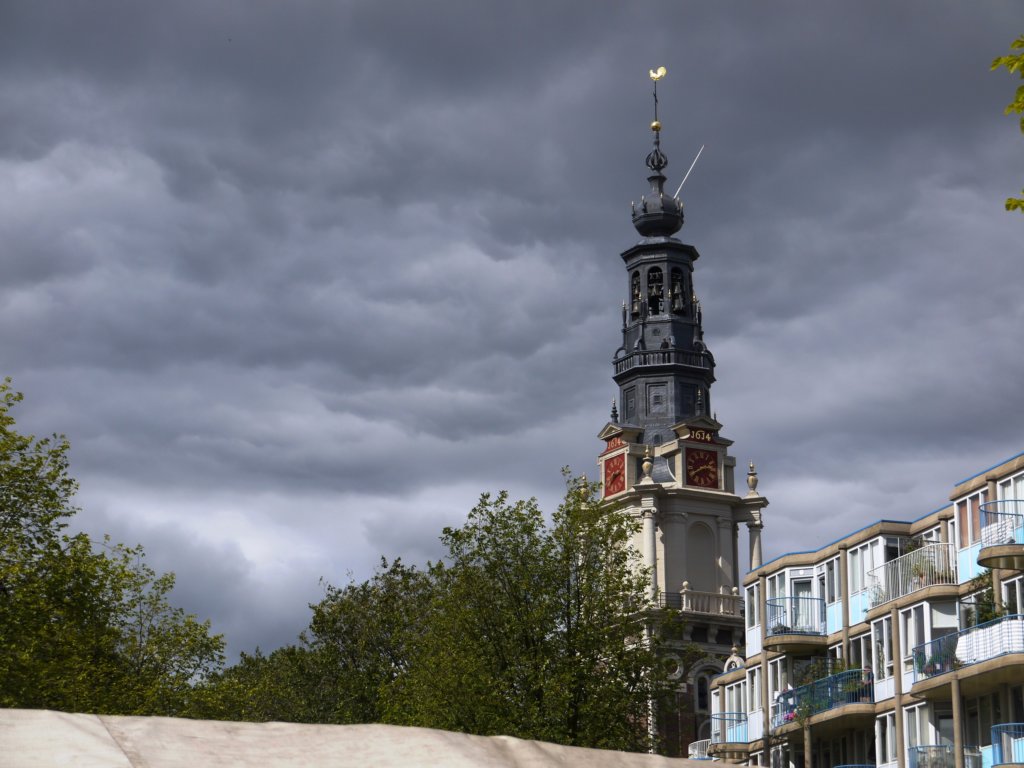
698	750
927	566
941	756
1002	522
729	727
795	616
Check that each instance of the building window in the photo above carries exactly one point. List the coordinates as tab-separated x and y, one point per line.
1012	595
753	606
828	581
881	635
754	689
860	652
968	518
918	731
735	697
861	562
702	693
1012	488
778	678
912	631
678	293
885	737
655	290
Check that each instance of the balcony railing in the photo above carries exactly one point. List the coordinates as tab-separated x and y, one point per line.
795	616
729	728
849	687
969	646
925	567
698	750
692	601
1008	743
941	756
1002	522
660	357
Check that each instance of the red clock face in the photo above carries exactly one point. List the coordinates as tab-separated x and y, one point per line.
615	474
701	468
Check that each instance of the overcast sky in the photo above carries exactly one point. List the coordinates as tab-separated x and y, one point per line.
300	280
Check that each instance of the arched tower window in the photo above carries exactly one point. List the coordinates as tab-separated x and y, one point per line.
677	295
655	290
634	295
702	693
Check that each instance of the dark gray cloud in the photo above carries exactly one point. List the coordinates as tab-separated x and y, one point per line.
299	281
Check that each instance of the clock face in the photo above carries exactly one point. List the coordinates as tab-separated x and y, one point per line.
615	475
701	468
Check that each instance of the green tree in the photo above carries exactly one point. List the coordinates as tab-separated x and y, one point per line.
537	629
82	628
259	689
531	627
1014	63
360	640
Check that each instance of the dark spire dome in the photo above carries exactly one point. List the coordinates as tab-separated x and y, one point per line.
657	215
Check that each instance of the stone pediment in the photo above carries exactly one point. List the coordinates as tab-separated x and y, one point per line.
701	429
626	432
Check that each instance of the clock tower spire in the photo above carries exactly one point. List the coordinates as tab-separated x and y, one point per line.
663	368
665	461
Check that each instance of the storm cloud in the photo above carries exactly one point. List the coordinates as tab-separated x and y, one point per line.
299	281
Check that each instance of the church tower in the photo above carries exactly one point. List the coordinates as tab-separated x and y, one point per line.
665	460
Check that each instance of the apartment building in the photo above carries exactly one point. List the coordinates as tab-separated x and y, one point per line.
899	645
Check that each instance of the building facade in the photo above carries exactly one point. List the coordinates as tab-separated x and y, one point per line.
666	460
899	645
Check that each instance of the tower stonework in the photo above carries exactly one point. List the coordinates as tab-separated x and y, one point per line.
665	459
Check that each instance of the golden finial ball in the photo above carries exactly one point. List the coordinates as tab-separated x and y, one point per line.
656	126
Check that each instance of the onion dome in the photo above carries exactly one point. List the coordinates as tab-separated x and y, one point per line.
657	215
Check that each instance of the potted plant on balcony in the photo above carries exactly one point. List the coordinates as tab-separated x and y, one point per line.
917	574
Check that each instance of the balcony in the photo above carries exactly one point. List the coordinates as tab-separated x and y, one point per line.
930	565
1008	744
655	357
729	728
941	756
970	646
854	686
698	750
1002	534
795	624
712	603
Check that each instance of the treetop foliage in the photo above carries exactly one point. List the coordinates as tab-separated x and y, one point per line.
84	627
1014	64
